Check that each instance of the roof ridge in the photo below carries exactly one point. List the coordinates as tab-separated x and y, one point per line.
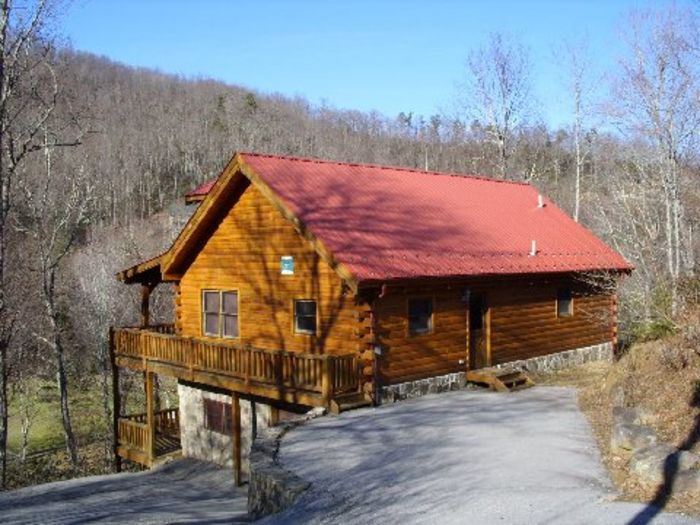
383	167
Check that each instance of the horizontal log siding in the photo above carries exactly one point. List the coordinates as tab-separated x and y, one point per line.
528	326
243	254
414	356
524	324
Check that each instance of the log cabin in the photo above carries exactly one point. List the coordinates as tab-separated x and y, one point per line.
309	283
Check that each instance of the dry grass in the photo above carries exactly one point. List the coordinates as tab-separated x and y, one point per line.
661	376
94	459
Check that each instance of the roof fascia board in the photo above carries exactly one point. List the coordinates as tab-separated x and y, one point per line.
177	252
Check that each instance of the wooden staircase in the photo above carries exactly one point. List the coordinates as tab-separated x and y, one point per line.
500	379
348	401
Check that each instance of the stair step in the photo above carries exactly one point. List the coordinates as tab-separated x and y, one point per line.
510	376
501	379
346	402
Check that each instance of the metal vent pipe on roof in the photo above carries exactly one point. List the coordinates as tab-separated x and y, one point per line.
540	201
533	248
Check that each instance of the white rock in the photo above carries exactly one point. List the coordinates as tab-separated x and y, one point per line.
627	437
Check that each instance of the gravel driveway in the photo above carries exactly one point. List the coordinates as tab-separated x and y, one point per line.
184	491
463	457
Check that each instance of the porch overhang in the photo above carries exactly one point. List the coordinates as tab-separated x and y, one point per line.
146	272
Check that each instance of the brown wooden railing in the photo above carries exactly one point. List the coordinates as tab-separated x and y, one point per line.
167	421
327	375
133	433
162	328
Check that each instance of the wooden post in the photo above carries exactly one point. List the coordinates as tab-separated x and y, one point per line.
150	418
236	437
327	380
146	290
274	416
116	403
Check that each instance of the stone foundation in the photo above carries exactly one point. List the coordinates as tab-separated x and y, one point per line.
421	387
566	359
201	443
455	381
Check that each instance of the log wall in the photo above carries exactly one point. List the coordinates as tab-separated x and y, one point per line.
243	254
523	324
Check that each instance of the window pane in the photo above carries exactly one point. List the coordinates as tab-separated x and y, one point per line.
564	307
306	324
306	308
230	326
211	324
230	303
211	302
419	307
420	315
564	303
227	423
419	324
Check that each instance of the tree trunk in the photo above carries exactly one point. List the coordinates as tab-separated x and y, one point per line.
3	413
61	378
65	410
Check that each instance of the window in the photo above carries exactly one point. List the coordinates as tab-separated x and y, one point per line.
305	316
220	313
218	417
565	303
420	316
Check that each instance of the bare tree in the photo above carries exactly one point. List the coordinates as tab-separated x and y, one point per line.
57	213
26	102
656	100
578	65
496	93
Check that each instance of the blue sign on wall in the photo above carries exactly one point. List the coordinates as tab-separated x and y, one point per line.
287	265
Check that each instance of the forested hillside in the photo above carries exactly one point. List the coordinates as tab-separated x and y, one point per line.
96	158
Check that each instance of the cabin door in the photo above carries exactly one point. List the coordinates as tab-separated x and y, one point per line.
478	332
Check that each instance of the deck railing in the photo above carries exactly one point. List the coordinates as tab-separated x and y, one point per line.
166	421
327	375
133	433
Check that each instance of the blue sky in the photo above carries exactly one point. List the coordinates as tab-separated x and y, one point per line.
388	56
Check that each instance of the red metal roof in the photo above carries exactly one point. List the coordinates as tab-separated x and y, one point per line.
389	223
201	190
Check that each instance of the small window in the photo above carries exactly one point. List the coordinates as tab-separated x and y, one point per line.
229	313
211	313
420	316
220	313
218	417
565	303
305	317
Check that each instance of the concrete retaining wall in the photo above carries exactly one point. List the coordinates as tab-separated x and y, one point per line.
545	363
201	443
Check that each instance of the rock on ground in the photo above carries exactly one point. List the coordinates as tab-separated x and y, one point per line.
627	437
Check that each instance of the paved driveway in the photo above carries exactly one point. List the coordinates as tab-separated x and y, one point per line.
465	457
185	491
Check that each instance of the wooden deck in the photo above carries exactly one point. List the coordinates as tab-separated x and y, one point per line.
306	379
135	441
